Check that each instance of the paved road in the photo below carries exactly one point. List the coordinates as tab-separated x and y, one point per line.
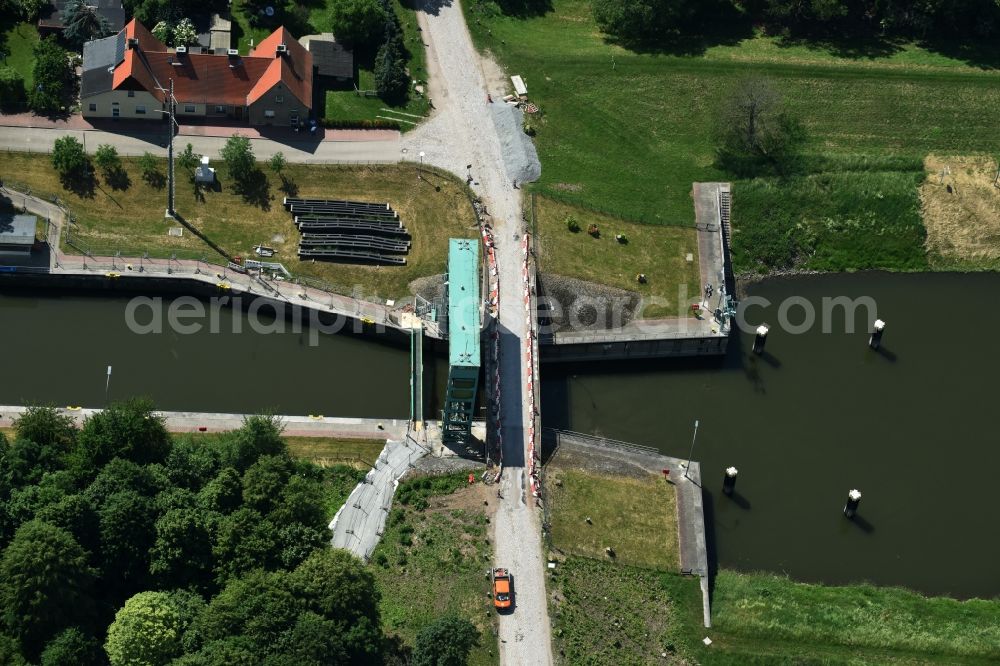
462	132
307	152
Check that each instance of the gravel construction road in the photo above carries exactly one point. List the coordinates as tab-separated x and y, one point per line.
464	131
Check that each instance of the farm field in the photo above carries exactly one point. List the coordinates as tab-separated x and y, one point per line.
629	132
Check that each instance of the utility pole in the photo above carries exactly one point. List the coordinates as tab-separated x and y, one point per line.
107	387
171	104
687	468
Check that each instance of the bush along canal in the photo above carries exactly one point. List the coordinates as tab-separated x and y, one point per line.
911	425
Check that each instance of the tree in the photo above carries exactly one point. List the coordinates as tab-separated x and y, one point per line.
69	160
754	131
223	494
238	156
121	475
150	627
107	160
192	464
244	541
150	169
73	647
12	94
264	481
182	553
83	23
391	80
357	22
26	461
29	9
187	158
162	31
258	435
44	425
637	21
44	584
335	585
128	532
184	33
445	642
77	515
277	163
131	430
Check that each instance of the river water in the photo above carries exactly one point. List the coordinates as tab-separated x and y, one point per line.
56	351
914	428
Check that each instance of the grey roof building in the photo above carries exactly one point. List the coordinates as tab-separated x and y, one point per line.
100	57
51	17
17	233
330	58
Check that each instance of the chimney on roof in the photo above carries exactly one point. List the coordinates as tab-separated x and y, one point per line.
133	43
282	48
181	50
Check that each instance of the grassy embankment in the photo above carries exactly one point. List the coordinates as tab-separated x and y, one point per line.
432	560
636	608
628	132
131	221
660	252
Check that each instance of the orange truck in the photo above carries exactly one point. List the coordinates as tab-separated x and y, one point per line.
502	591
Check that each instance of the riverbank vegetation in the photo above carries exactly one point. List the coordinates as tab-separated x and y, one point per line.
137	547
130	220
627	130
658	251
431	561
635	608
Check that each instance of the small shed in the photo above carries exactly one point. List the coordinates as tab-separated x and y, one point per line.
17	233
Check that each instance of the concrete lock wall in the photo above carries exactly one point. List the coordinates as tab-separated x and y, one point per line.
617	350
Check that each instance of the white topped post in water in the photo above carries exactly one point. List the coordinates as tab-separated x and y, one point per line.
875	341
760	339
729	480
853	500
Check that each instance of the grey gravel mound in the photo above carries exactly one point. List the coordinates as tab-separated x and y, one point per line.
430	288
519	155
578	305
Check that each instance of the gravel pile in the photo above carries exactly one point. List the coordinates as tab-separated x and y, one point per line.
578	305
518	151
430	288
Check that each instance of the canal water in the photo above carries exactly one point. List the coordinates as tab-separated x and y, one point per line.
56	350
914	428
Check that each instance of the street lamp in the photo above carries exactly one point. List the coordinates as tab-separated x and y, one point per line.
691	454
420	170
171	104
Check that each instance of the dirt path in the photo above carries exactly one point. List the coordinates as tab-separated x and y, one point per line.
462	132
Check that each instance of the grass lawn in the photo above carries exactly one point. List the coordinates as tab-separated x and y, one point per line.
659	251
348	105
605	614
636	517
18	44
432	558
327	450
243	33
628	132
769	614
132	220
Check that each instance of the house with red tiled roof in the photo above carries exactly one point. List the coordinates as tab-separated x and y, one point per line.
128	76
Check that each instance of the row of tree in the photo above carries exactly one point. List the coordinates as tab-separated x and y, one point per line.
364	23
644	21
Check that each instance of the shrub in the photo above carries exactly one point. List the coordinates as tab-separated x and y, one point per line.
572	224
529	129
12	94
377	123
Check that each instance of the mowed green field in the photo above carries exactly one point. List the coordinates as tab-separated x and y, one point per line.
629	133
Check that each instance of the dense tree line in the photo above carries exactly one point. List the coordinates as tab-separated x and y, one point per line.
641	21
123	545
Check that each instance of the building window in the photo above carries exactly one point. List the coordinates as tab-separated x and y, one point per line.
219	108
131	93
115	110
278	99
93	107
189	108
268	113
140	110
